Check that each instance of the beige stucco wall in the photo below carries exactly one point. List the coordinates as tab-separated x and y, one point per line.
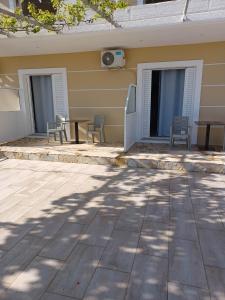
93	90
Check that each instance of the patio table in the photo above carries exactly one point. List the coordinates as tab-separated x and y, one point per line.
208	125
76	129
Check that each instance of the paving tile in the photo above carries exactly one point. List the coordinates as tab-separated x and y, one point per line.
63	242
51	296
34	280
213	247
107	285
11	234
216	280
158	212
99	231
208	218
185	263
9	202
148	278
2	253
131	219
181	202
16	259
14	213
83	215
178	291
183	226
120	251
48	226
154	239
77	272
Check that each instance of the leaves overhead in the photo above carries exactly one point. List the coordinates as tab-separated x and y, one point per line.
63	14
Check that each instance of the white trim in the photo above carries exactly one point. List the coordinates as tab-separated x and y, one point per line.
9	88
212	106
97	90
213	85
198	64
24	91
100	70
96	107
215	64
130	121
120	125
8	74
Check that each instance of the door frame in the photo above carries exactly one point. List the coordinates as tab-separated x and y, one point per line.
25	92
197	64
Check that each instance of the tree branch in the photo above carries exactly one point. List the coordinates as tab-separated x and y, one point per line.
107	18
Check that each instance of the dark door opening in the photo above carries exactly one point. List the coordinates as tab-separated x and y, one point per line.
42	102
155	103
166	100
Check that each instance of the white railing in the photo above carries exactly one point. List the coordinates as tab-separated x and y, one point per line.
130	118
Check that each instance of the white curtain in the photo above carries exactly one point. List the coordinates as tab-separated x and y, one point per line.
171	99
42	102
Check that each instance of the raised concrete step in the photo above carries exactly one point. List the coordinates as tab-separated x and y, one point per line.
140	156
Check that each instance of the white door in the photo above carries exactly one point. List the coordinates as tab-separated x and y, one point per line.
146	100
60	95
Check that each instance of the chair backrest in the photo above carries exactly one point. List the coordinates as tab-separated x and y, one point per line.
99	121
180	125
60	119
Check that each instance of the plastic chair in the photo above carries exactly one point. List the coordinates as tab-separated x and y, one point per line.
96	128
180	130
58	127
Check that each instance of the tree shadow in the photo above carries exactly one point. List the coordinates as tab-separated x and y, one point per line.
82	237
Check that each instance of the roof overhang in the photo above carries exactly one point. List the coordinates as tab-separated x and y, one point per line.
142	26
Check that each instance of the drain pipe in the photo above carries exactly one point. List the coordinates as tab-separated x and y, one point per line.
184	18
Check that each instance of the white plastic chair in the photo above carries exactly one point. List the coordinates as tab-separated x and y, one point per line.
57	127
96	128
180	130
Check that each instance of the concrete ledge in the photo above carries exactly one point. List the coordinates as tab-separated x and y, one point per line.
151	161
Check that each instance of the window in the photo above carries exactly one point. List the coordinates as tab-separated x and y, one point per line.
9	99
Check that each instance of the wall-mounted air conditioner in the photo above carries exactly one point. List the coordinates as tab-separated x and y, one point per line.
112	58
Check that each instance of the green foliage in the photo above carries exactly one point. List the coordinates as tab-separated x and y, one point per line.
63	15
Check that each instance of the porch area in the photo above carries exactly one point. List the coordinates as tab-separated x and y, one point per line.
141	155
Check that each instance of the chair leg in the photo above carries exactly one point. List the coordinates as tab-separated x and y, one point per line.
55	136
93	138
224	141
87	137
189	143
60	137
64	131
102	136
171	142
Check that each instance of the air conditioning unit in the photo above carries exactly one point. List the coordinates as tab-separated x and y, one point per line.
112	59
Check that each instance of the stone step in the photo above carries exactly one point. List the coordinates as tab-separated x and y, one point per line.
186	162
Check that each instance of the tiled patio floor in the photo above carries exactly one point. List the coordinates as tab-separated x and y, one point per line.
73	231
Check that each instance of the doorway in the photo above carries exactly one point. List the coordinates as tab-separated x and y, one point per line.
167	95
42	102
43	95
150	79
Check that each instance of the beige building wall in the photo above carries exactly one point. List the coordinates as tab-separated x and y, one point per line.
93	90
